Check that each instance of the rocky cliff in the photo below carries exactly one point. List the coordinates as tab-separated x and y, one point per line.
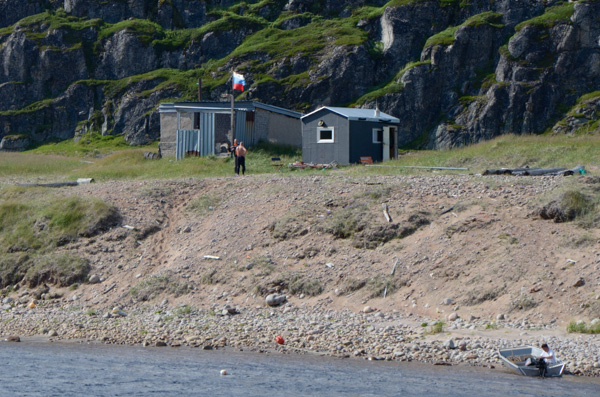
454	72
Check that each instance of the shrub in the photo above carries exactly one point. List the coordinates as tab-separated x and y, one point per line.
355	284
437	327
183	310
303	285
583	328
522	302
347	221
477	296
287	227
264	263
570	205
381	284
151	286
208	277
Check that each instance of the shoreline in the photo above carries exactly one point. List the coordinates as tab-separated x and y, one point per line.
306	331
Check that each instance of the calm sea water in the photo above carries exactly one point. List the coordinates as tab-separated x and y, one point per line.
44	369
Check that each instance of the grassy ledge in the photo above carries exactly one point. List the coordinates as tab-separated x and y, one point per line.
552	16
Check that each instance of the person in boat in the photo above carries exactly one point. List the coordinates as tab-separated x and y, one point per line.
546	358
548	355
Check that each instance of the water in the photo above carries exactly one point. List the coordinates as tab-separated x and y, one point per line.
44	369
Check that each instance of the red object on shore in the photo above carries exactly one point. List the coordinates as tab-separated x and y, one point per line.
279	339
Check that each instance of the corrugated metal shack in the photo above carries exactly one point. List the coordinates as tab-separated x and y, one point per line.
203	127
344	135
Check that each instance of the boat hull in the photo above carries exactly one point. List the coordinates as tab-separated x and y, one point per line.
515	359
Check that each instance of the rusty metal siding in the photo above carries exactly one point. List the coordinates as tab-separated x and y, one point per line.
244	127
201	141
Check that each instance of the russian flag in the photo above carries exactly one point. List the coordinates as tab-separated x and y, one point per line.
238	81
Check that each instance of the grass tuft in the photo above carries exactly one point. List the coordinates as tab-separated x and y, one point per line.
583	328
152	286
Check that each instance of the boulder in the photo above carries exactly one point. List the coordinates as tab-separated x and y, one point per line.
449	344
94	279
275	299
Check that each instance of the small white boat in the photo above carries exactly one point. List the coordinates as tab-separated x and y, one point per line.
516	359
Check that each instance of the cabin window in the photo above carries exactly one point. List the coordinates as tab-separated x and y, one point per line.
377	135
325	135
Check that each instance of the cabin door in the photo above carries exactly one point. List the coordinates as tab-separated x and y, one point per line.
393	142
386	143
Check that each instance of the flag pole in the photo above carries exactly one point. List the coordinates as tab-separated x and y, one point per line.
232	127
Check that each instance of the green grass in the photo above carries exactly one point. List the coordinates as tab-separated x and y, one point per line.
446	37
92	144
204	203
505	151
552	16
583	328
37	220
393	86
436	328
588	96
491	325
60	269
34	222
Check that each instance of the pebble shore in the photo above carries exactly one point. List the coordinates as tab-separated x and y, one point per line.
372	336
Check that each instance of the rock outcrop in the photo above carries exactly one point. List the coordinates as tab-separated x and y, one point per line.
453	73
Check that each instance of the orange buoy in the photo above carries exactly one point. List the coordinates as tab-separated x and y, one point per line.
279	339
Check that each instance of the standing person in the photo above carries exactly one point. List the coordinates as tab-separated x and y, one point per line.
232	149
240	153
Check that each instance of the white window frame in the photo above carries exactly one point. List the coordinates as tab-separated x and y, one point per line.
319	140
375	131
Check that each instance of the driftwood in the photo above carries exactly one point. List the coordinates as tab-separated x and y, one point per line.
394	268
541	171
447	210
58	184
302	165
580	169
386	213
418	167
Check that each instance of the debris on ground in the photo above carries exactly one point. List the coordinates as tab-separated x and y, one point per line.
580	169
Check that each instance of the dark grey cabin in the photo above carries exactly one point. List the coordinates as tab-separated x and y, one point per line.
344	135
203	127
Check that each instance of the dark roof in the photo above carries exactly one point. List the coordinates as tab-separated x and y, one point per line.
223	107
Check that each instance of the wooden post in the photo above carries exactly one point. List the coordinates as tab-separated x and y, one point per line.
232	127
